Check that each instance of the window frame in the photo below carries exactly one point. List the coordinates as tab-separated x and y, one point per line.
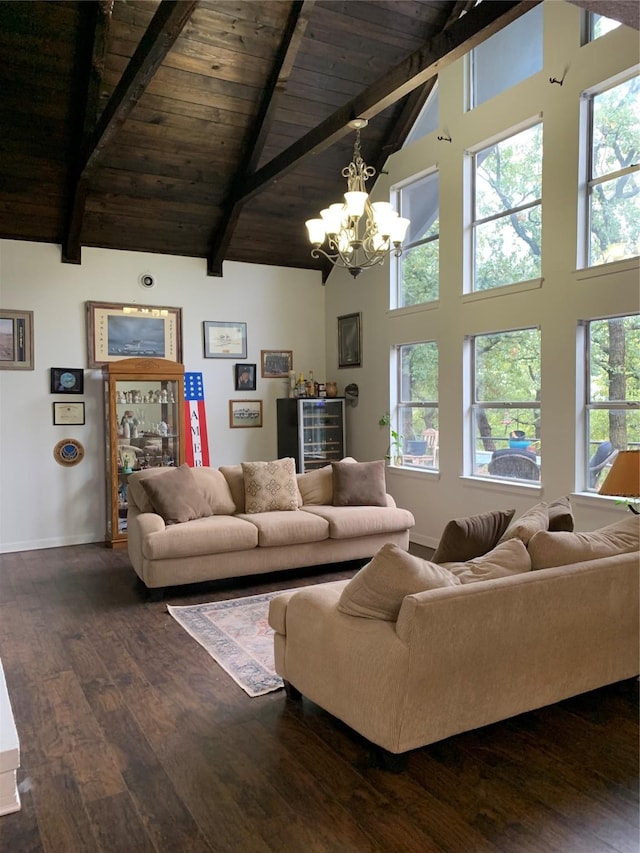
403	405
398	278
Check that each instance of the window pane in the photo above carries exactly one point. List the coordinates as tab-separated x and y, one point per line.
614	231
419	270
509	174
427	120
614	363
616	128
609	430
419	202
507	367
419	373
500	435
507	250
601	25
511	55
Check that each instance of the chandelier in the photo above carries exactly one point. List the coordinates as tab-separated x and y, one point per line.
357	234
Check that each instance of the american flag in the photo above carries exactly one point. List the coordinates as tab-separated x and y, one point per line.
196	442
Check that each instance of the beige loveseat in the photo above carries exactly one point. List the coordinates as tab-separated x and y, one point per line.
215	532
413	669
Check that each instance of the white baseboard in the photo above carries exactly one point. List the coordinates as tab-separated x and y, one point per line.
60	542
427	541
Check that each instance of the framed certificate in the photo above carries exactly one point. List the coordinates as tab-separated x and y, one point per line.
68	414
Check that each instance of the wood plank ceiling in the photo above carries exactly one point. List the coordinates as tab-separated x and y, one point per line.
210	129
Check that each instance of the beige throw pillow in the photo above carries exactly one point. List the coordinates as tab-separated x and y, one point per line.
561	515
234	477
316	487
534	519
175	495
359	483
507	558
379	588
215	490
548	549
466	538
270	486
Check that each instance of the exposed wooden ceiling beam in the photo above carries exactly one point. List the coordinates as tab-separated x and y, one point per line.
277	83
448	46
165	27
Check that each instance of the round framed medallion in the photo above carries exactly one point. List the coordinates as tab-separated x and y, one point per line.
67	380
69	451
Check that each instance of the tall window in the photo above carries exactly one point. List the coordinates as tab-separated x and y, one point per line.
427	121
418	265
506	405
508	57
417	409
598	25
507	210
613	173
613	392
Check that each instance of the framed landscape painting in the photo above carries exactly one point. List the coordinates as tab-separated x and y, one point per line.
245	413
16	340
224	340
116	331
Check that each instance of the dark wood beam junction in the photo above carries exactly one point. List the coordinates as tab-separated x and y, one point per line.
165	27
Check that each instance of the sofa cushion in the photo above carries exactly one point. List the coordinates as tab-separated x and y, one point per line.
349	522
287	528
379	588
561	515
270	486
215	490
235	478
534	519
465	538
316	487
507	558
359	483
561	548
218	534
175	495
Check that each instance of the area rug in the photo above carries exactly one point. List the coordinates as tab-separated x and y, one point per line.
237	635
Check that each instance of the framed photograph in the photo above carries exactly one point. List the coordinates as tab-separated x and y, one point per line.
16	340
116	331
349	340
245	377
276	364
68	414
224	340
67	380
245	413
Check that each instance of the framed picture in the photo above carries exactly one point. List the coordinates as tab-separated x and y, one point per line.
349	341
224	340
245	413
68	414
116	331
67	380
276	364
16	340
245	377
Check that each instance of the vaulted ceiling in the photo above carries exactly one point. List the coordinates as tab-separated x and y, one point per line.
210	129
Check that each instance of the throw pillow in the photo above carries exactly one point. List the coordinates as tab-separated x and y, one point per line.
507	558
233	476
270	486
359	483
379	588
562	548
215	490
561	515
175	496
466	538
316	487
534	519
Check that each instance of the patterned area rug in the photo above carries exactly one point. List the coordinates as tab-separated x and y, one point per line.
237	636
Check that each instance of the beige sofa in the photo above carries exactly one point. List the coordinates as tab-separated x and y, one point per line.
463	655
225	540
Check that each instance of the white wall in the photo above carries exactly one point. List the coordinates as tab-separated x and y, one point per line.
565	297
43	504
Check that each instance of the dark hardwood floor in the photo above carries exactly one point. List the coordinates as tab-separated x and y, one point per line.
133	739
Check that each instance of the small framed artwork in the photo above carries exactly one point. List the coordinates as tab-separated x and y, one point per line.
16	340
245	413
349	340
276	364
68	414
245	377
224	340
67	380
116	331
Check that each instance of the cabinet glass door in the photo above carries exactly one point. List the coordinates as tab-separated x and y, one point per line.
322	432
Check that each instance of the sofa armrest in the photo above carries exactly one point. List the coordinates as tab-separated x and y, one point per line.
139	526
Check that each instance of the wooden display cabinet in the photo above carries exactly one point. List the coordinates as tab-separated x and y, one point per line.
144	410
